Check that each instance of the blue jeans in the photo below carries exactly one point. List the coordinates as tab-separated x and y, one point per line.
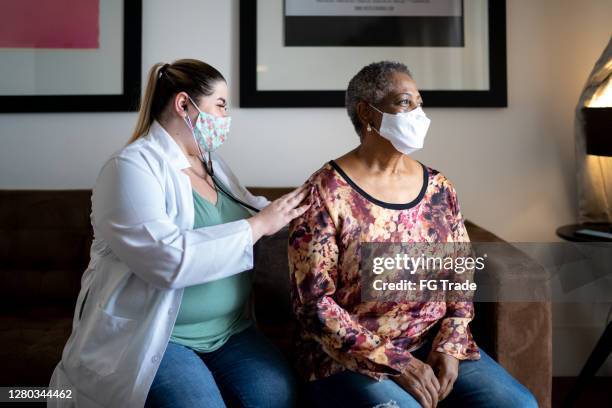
481	383
247	371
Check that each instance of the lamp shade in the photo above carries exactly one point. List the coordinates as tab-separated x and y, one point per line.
598	130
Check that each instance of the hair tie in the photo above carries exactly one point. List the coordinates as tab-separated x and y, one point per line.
163	69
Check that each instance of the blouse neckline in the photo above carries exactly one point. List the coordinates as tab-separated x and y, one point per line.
201	199
384	204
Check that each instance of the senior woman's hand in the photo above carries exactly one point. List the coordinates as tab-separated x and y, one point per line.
420	381
279	213
447	369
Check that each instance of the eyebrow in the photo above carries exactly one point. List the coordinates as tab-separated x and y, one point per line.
222	100
410	94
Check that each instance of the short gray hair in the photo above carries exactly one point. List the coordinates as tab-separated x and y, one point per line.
370	85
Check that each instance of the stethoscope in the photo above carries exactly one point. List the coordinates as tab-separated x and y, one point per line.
209	170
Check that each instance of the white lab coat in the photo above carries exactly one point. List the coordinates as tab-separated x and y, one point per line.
145	251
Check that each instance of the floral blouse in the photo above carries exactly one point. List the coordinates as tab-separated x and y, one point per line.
338	331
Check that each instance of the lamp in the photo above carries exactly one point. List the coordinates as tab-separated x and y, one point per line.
594	155
593	141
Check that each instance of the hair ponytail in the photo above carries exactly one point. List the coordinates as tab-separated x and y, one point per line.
145	117
165	80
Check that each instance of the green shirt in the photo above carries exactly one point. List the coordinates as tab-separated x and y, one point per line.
212	312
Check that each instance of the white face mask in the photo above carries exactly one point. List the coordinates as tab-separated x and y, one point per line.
406	131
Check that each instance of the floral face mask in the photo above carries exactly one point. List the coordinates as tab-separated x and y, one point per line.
209	131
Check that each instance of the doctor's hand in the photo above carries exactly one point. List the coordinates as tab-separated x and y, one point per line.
420	381
279	213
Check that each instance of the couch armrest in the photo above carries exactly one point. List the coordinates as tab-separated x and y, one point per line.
517	334
524	345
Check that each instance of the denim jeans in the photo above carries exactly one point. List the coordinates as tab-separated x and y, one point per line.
481	383
247	371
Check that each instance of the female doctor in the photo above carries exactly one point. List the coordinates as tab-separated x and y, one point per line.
161	316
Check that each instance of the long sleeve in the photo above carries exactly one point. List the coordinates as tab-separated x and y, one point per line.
454	336
313	262
129	214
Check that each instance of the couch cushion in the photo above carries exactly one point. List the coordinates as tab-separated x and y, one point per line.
32	342
32	287
45	238
271	286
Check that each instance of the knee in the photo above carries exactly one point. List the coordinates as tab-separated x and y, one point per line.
278	389
390	404
514	397
283	391
286	391
527	399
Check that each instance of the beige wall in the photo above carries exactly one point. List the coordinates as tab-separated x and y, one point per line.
513	168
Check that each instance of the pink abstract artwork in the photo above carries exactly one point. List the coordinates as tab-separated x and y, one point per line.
49	23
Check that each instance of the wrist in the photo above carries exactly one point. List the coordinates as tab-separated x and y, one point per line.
257	226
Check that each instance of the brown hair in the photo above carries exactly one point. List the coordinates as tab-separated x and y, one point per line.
195	77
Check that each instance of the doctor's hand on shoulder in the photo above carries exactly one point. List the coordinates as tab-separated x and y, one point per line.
279	213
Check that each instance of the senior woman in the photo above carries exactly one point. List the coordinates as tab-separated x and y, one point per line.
361	354
162	317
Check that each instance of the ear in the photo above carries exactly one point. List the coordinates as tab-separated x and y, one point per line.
364	114
368	116
181	104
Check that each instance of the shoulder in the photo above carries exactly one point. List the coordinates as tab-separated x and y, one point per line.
322	176
141	150
441	190
328	192
438	181
140	157
327	182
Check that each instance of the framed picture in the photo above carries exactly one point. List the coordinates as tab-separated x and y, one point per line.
302	53
70	55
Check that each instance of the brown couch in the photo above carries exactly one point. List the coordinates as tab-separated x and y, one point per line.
44	248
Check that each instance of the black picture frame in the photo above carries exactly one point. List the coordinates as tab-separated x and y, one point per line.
250	97
128	100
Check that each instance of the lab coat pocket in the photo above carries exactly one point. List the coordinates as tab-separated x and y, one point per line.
105	341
